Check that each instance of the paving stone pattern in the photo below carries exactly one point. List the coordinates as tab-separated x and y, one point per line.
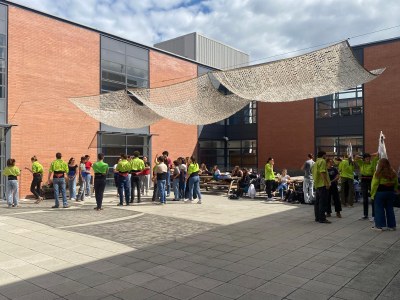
71	216
284	255
145	230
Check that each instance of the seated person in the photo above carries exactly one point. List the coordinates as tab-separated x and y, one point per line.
236	172
203	170
284	179
243	183
216	173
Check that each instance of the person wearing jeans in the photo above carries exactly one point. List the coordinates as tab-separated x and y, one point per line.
72	173
333	190
194	180
175	180
123	169
383	190
308	183
100	169
59	169
11	171
161	173
88	178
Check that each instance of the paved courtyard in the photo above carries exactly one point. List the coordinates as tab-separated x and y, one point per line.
221	249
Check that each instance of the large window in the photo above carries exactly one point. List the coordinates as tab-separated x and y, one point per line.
337	145
114	144
123	65
227	154
247	115
340	104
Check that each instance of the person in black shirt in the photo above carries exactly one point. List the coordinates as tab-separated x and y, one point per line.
333	190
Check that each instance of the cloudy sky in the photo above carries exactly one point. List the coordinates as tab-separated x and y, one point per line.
263	28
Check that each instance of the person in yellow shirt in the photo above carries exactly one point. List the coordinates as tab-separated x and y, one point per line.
137	165
193	179
322	184
269	177
11	171
37	172
123	168
384	187
367	165
59	169
346	171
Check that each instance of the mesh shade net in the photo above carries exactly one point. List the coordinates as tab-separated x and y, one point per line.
197	101
117	109
217	95
319	73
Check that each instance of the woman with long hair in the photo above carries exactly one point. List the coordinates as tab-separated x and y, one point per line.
193	179
383	190
37	172
72	173
11	171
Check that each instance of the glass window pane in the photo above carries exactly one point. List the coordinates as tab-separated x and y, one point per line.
112	56
113	76
112	86
111	44
2	79
139	63
3	40
137	72
113	139
111	66
135	140
137	52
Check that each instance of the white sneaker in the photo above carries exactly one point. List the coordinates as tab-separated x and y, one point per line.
72	199
199	202
269	199
185	200
371	219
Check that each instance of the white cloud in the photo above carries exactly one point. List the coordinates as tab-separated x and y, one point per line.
262	28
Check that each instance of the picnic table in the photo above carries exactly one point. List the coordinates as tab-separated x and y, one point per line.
208	181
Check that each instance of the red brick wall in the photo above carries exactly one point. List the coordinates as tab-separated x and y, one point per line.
382	99
286	133
49	61
178	139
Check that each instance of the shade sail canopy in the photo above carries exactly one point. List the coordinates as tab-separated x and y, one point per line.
314	74
217	95
116	109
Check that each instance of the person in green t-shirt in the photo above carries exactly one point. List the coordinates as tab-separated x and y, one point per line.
37	172
367	165
269	177
59	170
11	171
322	184
100	169
346	171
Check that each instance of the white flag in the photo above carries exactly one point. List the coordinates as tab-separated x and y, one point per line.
382	147
349	150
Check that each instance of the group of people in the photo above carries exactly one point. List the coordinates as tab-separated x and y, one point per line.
378	179
325	175
60	173
183	173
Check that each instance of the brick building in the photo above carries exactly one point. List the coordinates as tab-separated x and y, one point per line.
45	60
